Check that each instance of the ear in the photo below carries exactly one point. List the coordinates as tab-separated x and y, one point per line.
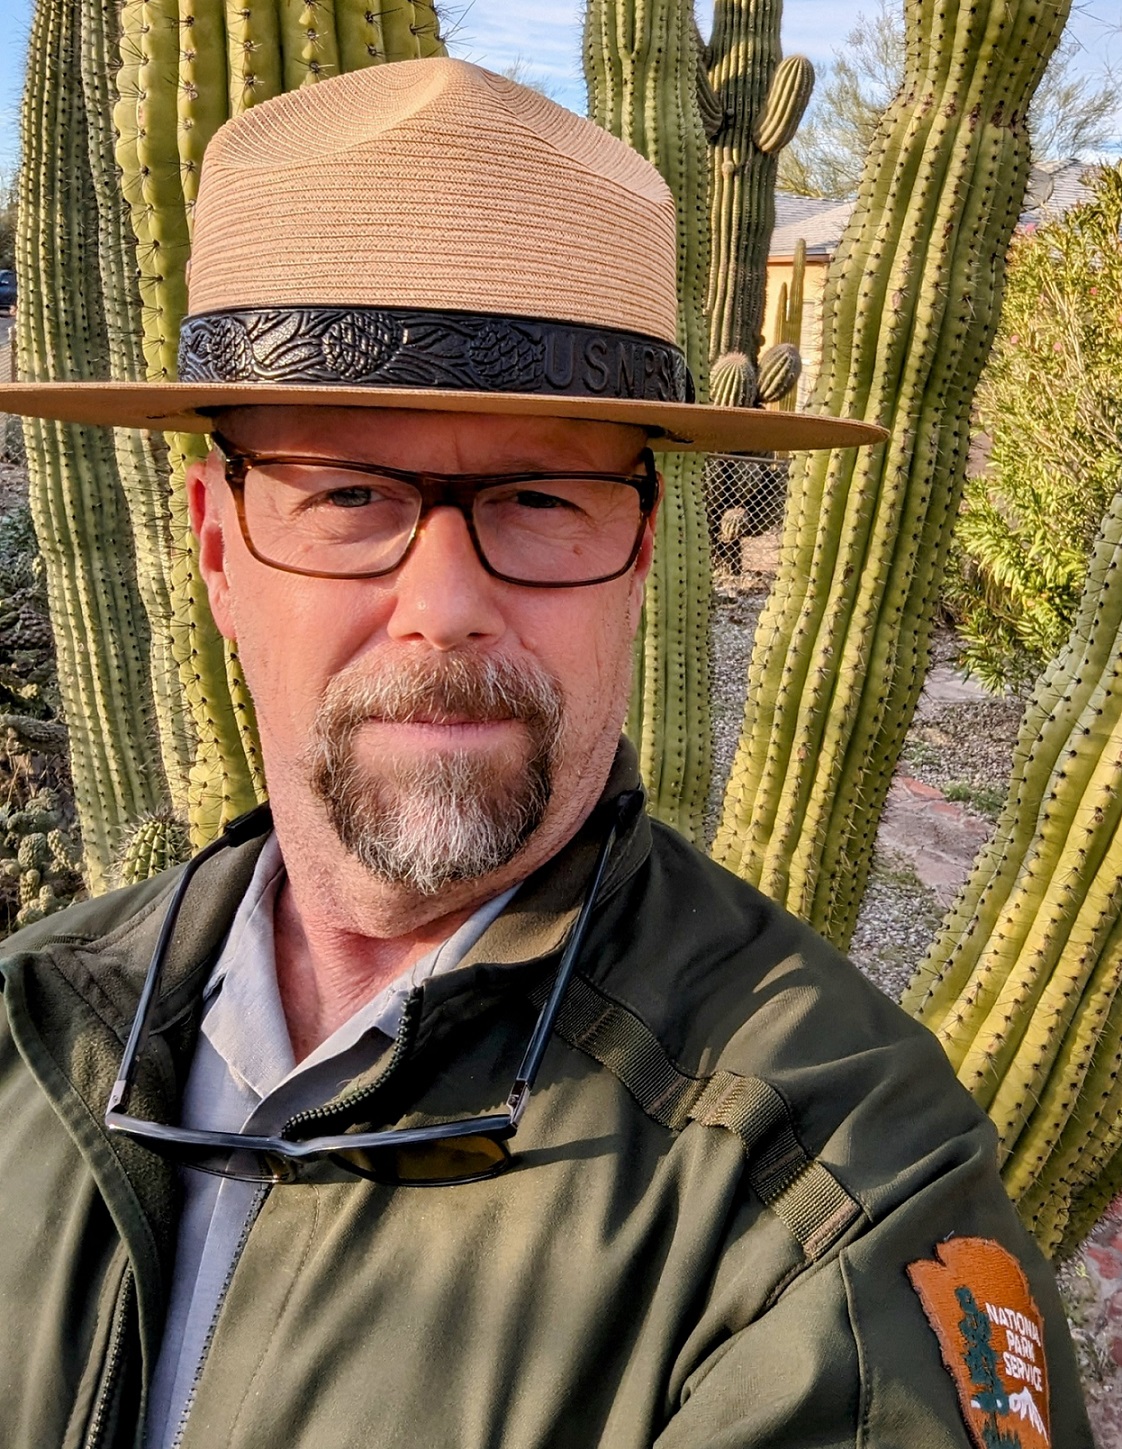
642	566
208	503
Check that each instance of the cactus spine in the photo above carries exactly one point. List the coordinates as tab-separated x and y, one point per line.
911	308
641	68
80	514
1023	985
763	99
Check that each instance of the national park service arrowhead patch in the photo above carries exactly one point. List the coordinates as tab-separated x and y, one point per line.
977	1300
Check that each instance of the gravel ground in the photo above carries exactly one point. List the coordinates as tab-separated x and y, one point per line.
961	747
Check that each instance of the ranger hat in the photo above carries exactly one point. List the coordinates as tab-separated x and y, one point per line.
427	235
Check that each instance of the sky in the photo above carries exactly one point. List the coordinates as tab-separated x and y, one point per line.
543	38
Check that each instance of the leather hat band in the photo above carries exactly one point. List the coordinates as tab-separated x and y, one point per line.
457	351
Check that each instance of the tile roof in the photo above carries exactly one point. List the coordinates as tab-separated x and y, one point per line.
818	221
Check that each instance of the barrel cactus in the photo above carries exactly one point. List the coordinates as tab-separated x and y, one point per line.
910	312
780	367
155	843
733	381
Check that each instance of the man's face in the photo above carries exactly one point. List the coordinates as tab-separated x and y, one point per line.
438	720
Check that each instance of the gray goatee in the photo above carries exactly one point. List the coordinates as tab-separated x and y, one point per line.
442	817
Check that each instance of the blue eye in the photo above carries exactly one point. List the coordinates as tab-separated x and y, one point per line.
349	497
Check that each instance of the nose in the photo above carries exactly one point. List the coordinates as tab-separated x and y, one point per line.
442	595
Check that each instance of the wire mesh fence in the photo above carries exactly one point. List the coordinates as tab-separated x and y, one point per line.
744	498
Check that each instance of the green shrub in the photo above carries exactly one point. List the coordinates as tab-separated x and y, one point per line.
1051	401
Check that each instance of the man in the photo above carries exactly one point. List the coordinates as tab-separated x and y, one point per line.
520	1123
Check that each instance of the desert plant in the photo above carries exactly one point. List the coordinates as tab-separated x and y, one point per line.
910	312
81	518
1023	985
1051	401
642	80
118	107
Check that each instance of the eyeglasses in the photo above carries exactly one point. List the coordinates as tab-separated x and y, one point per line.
439	1155
333	519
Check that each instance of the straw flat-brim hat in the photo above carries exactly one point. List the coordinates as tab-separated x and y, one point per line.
427	235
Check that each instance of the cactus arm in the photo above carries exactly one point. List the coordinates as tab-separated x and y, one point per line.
157	155
708	101
140	458
641	70
1024	984
788	96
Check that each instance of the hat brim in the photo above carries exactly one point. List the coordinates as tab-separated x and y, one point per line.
188	408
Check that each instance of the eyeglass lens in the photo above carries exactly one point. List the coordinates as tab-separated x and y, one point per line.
561	530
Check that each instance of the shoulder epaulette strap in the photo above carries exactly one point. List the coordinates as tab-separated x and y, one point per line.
796	1187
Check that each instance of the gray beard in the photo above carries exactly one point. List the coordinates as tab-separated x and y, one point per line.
447	817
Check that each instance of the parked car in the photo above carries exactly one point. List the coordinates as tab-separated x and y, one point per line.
7	291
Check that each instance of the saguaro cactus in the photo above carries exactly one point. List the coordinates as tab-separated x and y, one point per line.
910	312
641	65
1023	985
80	515
763	100
186	65
141	457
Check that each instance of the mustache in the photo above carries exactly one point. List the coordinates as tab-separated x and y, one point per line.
441	689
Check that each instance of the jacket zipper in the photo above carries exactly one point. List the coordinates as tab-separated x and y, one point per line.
403	1042
113	1360
250	1219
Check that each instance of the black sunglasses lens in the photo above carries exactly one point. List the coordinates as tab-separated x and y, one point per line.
241	1165
429	1164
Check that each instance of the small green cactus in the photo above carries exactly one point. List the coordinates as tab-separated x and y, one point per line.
733	382
155	844
780	367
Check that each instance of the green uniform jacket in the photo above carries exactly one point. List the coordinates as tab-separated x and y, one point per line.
735	1148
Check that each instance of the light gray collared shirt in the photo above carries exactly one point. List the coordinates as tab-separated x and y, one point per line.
244	1078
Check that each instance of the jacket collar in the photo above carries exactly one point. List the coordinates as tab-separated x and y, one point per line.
72	992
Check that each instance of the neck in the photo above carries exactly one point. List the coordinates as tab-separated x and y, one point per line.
342	935
326	971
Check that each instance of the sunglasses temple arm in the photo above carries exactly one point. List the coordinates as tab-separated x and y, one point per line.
245	827
524	1081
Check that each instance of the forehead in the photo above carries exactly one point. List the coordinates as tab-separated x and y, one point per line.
443	442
